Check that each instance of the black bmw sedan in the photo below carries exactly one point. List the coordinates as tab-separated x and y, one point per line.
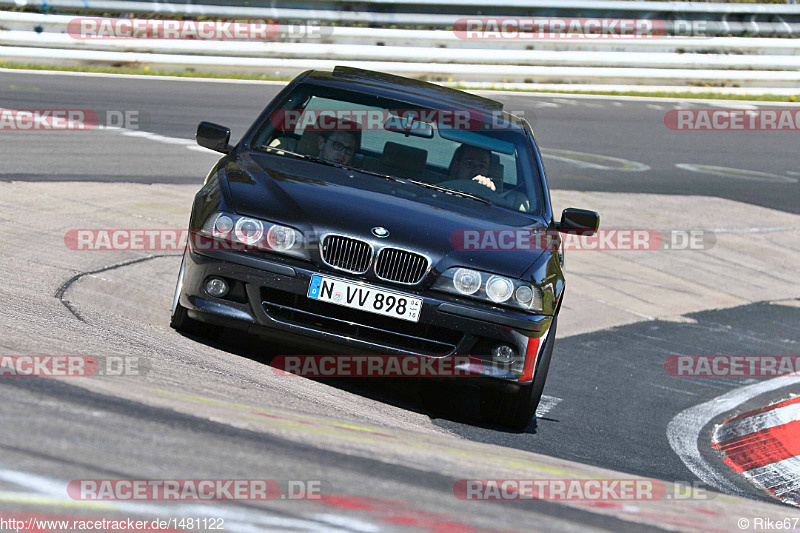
366	213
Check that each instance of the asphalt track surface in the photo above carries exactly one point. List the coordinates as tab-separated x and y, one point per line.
614	401
632	131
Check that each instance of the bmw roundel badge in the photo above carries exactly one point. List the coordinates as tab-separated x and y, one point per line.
380	232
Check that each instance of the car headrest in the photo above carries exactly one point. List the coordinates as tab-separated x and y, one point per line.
496	169
405	161
308	145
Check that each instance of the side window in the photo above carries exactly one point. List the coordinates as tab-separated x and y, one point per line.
509	163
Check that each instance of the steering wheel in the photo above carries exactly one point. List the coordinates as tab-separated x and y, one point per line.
474	188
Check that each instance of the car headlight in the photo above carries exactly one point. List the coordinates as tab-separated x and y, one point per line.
467	281
281	238
499	289
496	289
222	226
241	232
248	231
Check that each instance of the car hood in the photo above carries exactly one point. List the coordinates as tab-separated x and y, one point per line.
294	192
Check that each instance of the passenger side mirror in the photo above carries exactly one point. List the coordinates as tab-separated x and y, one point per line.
214	137
580	221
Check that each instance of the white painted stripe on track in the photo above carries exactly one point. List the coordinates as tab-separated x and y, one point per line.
546	404
781	478
728	105
579	159
163	139
482	92
745	426
683	431
747	230
143	77
680	391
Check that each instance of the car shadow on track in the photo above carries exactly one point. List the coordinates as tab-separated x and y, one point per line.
448	400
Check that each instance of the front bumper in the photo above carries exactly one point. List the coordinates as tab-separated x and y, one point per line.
268	298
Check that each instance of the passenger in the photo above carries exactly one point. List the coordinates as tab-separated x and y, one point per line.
340	143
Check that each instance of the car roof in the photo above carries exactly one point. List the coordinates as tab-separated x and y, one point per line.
410	90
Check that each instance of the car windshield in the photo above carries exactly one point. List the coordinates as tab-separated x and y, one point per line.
454	150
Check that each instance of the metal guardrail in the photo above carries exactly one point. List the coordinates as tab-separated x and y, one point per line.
466	72
450	59
39	23
719	19
471	7
438	55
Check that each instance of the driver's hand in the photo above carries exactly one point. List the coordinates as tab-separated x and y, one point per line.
483	180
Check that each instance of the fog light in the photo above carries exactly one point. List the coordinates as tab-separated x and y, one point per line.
216	287
503	354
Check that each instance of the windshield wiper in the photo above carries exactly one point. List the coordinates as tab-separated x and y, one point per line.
381	175
308	157
316	159
450	191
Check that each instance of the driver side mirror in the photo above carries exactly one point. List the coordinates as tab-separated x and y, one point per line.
580	221
214	137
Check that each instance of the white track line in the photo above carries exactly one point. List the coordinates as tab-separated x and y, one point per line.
226	81
745	426
481	92
683	431
546	404
163	139
779	478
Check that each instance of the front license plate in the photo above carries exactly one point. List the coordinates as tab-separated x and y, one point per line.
364	297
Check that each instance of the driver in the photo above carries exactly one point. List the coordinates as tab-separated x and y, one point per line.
472	163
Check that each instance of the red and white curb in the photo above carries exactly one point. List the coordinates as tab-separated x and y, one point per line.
764	446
